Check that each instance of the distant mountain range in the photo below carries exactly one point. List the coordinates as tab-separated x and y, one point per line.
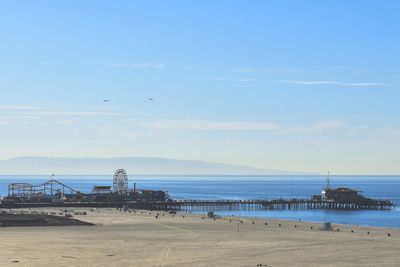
133	165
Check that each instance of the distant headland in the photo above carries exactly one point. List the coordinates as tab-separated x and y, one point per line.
136	165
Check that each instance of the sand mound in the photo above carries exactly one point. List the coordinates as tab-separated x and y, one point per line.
9	220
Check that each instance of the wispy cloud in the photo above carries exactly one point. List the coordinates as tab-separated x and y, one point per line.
328	125
313	126
32	115
32	64
210	125
9	65
17	107
16	110
233	79
255	70
355	70
185	67
51	63
305	127
136	65
246	70
77	113
335	83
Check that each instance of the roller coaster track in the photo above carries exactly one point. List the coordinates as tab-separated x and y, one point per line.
51	187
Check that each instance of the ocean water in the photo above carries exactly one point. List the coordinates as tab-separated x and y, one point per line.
255	187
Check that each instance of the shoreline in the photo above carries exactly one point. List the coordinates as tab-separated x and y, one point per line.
293	220
53	210
78	211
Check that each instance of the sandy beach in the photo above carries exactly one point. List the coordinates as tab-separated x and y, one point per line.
140	239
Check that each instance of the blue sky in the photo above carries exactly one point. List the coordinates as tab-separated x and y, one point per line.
291	85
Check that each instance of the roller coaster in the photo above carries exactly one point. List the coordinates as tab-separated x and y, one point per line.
51	188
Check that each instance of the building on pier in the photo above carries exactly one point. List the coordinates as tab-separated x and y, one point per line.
341	194
101	189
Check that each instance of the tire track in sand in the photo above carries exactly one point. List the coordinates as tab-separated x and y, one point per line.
166	251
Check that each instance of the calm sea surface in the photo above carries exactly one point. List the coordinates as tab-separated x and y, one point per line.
255	187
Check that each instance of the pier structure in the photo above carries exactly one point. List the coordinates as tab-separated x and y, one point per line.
249	205
56	194
211	205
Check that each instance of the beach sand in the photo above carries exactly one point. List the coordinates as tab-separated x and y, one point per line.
141	239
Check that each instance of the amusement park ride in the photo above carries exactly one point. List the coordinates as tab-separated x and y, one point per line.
120	182
46	190
55	192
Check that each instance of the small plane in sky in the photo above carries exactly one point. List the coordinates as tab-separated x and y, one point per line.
106	100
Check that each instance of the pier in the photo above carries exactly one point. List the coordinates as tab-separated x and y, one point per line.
249	205
56	194
215	205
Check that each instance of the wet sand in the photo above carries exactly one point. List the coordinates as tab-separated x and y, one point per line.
141	239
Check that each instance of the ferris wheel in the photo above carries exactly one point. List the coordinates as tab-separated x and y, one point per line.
120	182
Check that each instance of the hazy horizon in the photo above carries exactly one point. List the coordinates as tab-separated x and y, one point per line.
138	165
148	166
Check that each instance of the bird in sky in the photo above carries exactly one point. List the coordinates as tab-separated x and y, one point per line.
151	99
106	100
